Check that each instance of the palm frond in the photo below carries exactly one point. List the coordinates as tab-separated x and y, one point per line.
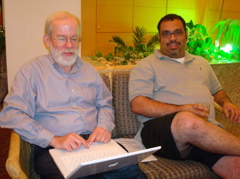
228	31
118	41
153	41
138	36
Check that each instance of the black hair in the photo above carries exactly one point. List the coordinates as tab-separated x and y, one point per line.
171	17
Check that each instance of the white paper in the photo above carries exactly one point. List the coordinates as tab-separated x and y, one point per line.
133	145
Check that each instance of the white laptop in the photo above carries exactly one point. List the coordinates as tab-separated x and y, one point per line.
100	157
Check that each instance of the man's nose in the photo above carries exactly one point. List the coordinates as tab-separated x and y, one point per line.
68	43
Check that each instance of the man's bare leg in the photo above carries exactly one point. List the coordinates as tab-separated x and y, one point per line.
188	129
228	167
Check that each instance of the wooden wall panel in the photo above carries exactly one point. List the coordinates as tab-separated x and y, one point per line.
115	2
150	3
231	9
114	18
230	15
231	5
187	14
214	5
180	4
187	9
88	35
147	17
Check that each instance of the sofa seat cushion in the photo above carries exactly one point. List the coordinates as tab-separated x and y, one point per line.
170	169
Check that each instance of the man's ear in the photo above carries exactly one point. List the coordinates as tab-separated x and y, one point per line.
46	39
159	37
186	35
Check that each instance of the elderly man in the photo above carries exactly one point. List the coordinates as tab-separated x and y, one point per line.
60	101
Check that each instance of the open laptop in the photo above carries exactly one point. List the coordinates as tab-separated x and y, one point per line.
100	157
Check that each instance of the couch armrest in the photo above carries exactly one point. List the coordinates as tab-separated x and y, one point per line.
231	127
13	165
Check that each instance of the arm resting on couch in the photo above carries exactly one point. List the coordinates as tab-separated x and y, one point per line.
231	127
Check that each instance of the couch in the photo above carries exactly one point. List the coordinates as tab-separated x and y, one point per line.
19	163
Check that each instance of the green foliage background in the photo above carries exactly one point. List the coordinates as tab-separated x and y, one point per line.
199	43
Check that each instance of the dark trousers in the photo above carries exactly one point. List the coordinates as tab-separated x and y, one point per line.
47	169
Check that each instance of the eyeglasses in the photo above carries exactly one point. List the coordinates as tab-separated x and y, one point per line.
62	40
167	34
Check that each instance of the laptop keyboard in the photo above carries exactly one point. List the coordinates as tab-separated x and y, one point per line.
71	162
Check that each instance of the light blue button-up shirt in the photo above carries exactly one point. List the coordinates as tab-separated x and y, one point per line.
44	101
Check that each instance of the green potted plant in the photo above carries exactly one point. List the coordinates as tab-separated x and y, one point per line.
200	43
124	54
228	31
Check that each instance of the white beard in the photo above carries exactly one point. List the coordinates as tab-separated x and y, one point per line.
60	59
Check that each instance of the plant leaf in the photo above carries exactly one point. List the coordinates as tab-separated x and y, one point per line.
138	36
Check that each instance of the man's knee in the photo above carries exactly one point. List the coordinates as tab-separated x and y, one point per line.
185	124
186	120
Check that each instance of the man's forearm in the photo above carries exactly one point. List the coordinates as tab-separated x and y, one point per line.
221	97
152	109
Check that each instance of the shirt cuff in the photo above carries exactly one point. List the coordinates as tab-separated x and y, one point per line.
44	138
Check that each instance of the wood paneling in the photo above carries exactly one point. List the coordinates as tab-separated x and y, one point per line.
214	5
187	14
148	17
151	3
180	4
115	2
88	35
114	18
230	15
231	5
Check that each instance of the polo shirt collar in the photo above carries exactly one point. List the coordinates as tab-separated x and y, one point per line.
159	55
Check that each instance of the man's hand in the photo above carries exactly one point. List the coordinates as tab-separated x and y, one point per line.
202	110
232	112
197	109
69	142
99	135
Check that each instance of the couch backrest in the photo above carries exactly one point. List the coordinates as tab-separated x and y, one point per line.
116	78
107	81
229	77
126	121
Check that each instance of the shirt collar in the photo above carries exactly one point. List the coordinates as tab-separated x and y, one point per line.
159	55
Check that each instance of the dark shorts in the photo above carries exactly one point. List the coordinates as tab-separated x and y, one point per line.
158	132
